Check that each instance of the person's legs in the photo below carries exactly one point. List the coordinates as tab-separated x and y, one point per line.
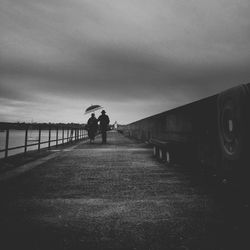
91	135
104	136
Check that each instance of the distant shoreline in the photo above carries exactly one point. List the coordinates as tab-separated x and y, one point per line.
24	125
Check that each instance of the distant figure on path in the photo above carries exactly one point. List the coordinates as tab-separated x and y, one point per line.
104	123
92	126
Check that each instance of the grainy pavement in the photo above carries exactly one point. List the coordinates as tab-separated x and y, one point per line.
113	196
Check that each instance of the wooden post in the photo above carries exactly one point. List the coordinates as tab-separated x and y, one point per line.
26	140
75	134
63	135
49	137
39	139
7	143
71	134
67	135
56	136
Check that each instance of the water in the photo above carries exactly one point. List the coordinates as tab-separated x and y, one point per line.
17	138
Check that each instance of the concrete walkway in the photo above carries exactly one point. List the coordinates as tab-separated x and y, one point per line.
114	196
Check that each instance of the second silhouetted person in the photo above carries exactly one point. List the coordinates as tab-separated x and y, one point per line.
104	125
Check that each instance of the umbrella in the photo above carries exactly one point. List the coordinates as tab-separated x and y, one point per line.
92	108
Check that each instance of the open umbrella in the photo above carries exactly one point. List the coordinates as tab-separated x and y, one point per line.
92	108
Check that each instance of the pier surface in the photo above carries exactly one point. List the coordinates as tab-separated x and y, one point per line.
113	196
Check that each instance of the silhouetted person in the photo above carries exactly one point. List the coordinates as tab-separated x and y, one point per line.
104	124
92	127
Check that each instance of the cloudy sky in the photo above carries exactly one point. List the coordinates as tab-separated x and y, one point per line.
134	57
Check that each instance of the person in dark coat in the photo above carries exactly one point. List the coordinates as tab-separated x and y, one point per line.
104	125
92	126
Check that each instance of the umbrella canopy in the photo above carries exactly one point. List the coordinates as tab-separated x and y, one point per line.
92	108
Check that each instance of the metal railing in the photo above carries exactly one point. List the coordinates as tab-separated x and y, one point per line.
63	134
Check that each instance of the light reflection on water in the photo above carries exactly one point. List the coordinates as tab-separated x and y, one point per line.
17	138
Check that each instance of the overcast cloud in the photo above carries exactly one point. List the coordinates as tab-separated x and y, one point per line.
134	57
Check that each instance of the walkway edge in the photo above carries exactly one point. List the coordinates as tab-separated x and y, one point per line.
28	166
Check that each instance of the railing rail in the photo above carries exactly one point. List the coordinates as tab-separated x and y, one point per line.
73	134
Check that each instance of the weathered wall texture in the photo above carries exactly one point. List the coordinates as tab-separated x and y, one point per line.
212	133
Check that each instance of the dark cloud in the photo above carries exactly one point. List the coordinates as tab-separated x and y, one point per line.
157	54
122	75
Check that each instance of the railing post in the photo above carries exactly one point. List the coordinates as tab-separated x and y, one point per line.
26	140
7	142
56	136
49	137
71	134
75	134
67	134
63	135
39	138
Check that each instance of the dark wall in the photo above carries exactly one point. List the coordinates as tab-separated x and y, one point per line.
212	133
